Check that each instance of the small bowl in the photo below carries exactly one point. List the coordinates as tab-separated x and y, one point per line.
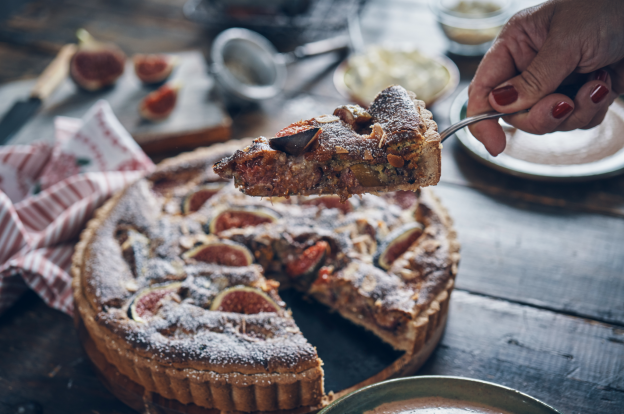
453	388
363	97
471	26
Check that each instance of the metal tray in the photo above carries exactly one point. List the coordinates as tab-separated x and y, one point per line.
454	388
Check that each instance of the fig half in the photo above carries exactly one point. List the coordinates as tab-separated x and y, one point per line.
146	304
397	243
310	260
159	104
244	299
196	199
96	65
225	253
239	218
152	69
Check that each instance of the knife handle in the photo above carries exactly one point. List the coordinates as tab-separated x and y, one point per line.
54	74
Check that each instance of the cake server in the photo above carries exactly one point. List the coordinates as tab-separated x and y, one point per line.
472	120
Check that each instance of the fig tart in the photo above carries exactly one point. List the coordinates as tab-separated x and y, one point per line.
394	145
176	282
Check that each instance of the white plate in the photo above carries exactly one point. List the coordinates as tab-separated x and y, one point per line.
579	155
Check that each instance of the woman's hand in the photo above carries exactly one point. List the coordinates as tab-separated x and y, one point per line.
541	48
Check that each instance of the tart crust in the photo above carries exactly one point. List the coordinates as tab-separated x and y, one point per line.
291	377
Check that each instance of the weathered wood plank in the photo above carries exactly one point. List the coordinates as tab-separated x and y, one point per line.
545	256
43	367
575	365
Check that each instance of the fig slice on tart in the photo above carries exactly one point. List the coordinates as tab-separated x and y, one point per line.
147	303
135	250
239	217
244	299
396	243
309	261
221	252
196	199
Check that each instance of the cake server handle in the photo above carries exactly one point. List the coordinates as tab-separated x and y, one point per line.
473	119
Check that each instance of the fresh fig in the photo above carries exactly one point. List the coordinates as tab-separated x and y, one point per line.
96	65
151	69
244	299
239	218
146	304
159	104
224	252
397	243
309	261
329	201
193	201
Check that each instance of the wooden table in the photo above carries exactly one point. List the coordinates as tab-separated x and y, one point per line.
539	303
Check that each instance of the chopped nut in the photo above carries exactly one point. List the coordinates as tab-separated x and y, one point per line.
132	286
352	114
340	150
377	131
368	155
186	242
409	274
396	160
415	296
325	119
430	246
369	283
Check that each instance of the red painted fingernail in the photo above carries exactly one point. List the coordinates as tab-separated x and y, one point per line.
505	95
601	75
561	109
598	93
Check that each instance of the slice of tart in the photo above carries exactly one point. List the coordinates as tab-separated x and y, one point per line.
394	145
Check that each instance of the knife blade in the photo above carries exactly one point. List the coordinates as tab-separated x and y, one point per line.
47	82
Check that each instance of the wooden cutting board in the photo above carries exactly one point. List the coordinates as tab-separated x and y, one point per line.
197	120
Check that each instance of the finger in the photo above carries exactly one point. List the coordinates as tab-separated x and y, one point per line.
491	135
598	118
591	98
545	116
547	71
497	66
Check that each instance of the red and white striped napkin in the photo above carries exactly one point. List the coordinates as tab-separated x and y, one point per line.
48	193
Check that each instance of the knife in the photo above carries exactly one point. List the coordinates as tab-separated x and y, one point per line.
47	82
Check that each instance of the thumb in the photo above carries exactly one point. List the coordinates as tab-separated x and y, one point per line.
552	64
